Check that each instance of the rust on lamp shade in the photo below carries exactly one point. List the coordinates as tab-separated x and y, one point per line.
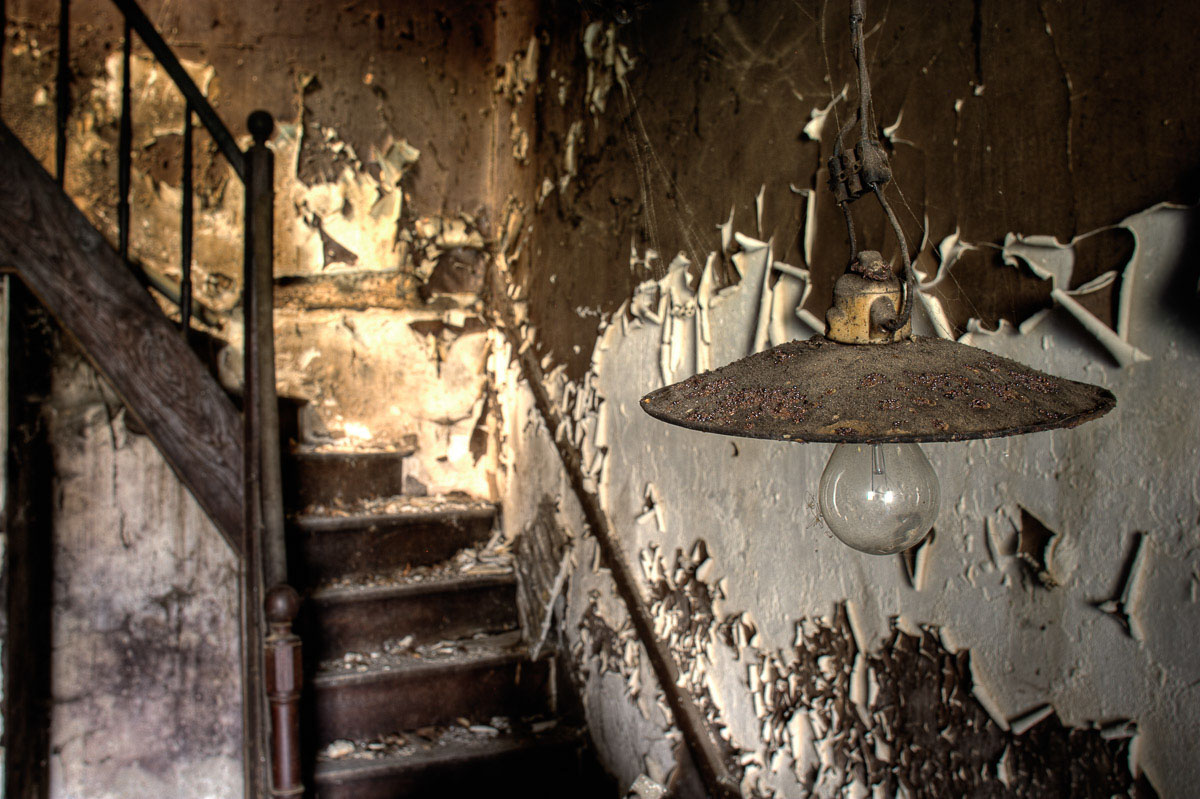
915	390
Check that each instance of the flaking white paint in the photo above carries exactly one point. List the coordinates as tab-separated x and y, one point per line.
1034	650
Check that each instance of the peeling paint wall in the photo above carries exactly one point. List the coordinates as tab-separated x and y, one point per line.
1046	647
649	180
625	711
1064	647
719	109
1038	644
385	121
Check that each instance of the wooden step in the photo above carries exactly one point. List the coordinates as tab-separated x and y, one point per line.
365	695
529	765
383	536
360	617
332	477
290	409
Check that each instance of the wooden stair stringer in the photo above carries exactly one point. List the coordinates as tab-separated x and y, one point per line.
84	284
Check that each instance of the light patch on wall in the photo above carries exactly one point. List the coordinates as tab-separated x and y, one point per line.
516	77
352	366
814	129
1054	261
608	62
156	197
351	223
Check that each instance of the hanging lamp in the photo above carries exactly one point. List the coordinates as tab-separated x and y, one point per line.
869	385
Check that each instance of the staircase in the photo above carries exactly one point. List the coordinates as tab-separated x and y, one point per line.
420	682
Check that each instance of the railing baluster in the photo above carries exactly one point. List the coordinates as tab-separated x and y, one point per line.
4	38
185	225
161	51
124	147
62	89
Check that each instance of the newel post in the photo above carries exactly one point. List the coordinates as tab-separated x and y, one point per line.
259	313
284	676
264	561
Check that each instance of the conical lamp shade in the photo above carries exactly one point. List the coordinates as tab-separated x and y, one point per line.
917	390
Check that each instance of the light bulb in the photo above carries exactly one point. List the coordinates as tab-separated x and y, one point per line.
879	498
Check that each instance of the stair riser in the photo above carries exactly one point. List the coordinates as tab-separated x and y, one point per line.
330	629
324	479
373	708
318	556
544	773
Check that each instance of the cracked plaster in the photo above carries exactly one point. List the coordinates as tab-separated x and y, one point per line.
1033	651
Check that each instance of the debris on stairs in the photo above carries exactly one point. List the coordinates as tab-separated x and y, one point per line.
420	683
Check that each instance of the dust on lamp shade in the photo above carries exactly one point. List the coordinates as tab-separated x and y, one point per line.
914	390
878	492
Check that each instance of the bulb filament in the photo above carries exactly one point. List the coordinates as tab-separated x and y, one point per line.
880	490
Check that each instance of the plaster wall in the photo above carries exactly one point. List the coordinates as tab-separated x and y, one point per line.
146	677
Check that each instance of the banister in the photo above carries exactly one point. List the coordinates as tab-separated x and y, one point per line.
259	319
718	781
259	538
80	278
265	556
62	90
191	92
185	229
124	144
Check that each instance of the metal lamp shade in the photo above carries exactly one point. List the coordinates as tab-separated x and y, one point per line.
915	390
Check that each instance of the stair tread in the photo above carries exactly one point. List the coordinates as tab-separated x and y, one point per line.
440	746
492	559
437	583
392	510
328	452
397	660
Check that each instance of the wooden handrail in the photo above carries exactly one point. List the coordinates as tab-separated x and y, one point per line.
80	279
265	555
259	319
